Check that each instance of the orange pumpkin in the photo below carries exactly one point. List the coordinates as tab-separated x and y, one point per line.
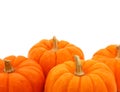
49	53
85	76
110	55
20	74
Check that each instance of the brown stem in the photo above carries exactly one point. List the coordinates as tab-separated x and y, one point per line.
8	67
55	44
79	71
118	52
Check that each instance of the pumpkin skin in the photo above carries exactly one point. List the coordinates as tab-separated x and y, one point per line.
50	52
24	76
97	77
110	55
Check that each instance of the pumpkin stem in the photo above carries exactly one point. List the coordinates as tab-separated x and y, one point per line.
118	52
55	44
8	67
79	71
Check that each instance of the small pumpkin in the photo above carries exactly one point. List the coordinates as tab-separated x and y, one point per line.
20	74
82	76
110	55
50	52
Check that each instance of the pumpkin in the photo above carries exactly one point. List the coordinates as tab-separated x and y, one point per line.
110	55
20	74
50	52
80	76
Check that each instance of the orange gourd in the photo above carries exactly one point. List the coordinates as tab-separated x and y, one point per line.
20	74
110	55
49	53
85	76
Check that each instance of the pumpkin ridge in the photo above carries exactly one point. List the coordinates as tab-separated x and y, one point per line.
79	84
20	79
39	49
44	45
110	52
95	64
55	77
63	46
42	64
99	75
40	55
60	77
101	52
117	71
97	69
105	67
67	45
26	79
28	67
90	67
33	66
69	68
75	48
18	64
71	81
63	54
47	45
93	85
7	84
90	84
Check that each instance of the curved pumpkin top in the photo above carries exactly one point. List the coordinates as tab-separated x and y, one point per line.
54	45
110	51
25	73
97	77
108	55
19	62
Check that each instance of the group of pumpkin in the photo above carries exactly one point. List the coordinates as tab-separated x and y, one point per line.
59	66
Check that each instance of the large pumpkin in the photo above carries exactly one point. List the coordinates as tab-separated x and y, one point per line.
49	53
85	76
110	55
20	74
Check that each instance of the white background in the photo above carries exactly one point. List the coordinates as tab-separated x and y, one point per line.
89	24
